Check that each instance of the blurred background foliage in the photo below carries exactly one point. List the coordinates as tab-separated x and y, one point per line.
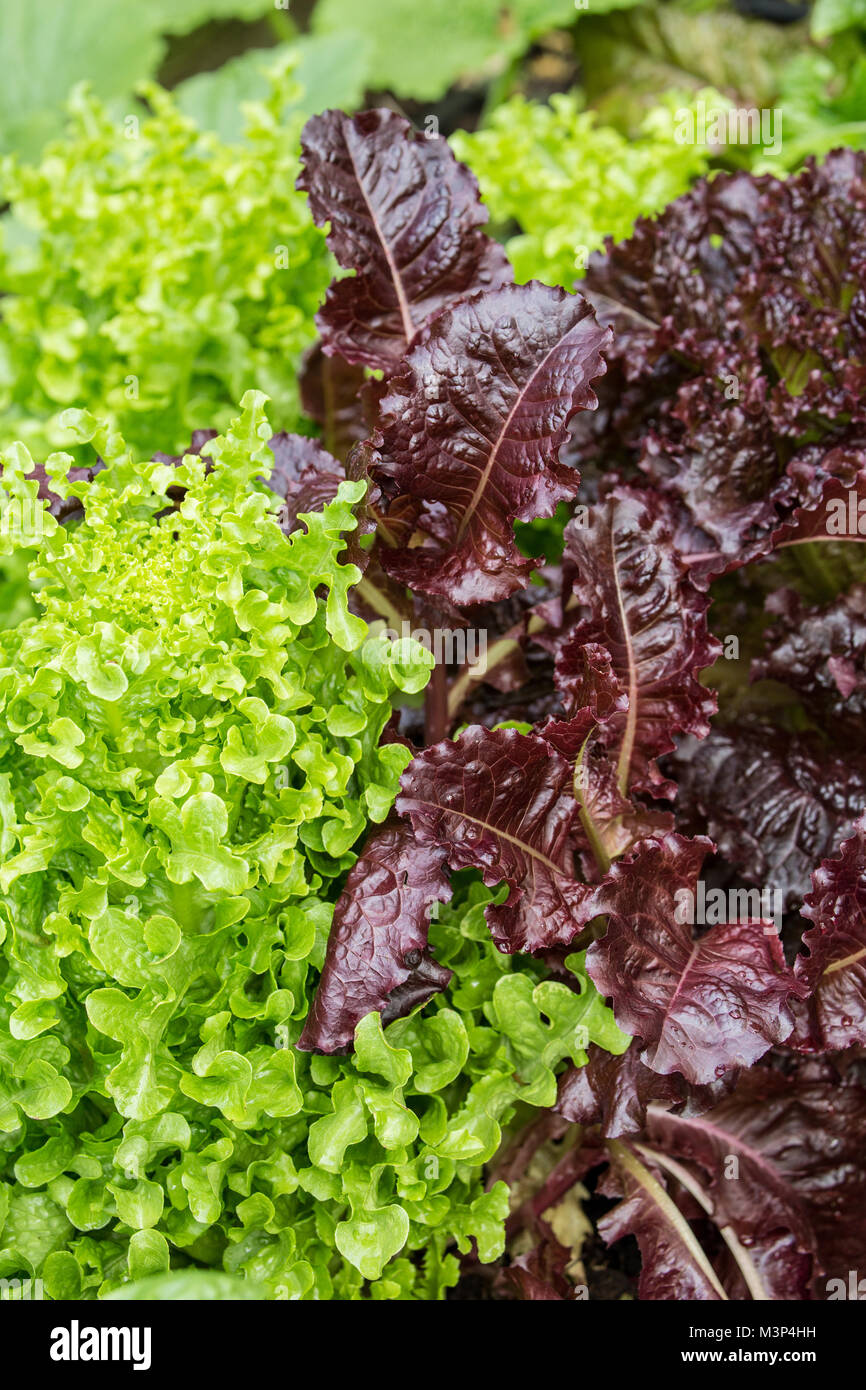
212	52
458	61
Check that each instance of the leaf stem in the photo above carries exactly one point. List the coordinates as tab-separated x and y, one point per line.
436	706
380	603
596	844
668	1209
472	675
751	1277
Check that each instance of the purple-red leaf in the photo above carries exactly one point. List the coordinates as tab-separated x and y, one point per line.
407	218
330	388
586	680
666	285
720	460
783	1155
614	1092
704	1004
608	823
740	321
378	940
821	654
540	1275
500	802
838	511
834	1016
471	431
638	603
304	475
674	1266
71	508
775	804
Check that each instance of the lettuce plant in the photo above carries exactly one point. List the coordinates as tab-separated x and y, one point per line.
586	770
568	180
307	985
559	178
192	747
153	273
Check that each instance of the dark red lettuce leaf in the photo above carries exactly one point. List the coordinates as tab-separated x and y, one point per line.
821	654
777	1270
586	680
776	804
65	509
720	464
499	801
378	942
637	602
740	319
757	1191
307	477
663	292
834	1015
833	490
329	388
753	1194
797	1168
406	217
702	1005
540	1275
607	823
773	1165
304	475
803	295
755	277
665	287
471	430
719	459
614	1092
673	1263
426	978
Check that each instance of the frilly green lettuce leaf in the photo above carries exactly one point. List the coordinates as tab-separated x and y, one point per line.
189	762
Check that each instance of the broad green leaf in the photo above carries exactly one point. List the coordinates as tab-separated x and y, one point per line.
188	1286
196	832
35	1226
331	1135
149	1255
47	48
328	70
420	50
369	1239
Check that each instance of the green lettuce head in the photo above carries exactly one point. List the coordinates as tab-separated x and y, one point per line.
190	757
